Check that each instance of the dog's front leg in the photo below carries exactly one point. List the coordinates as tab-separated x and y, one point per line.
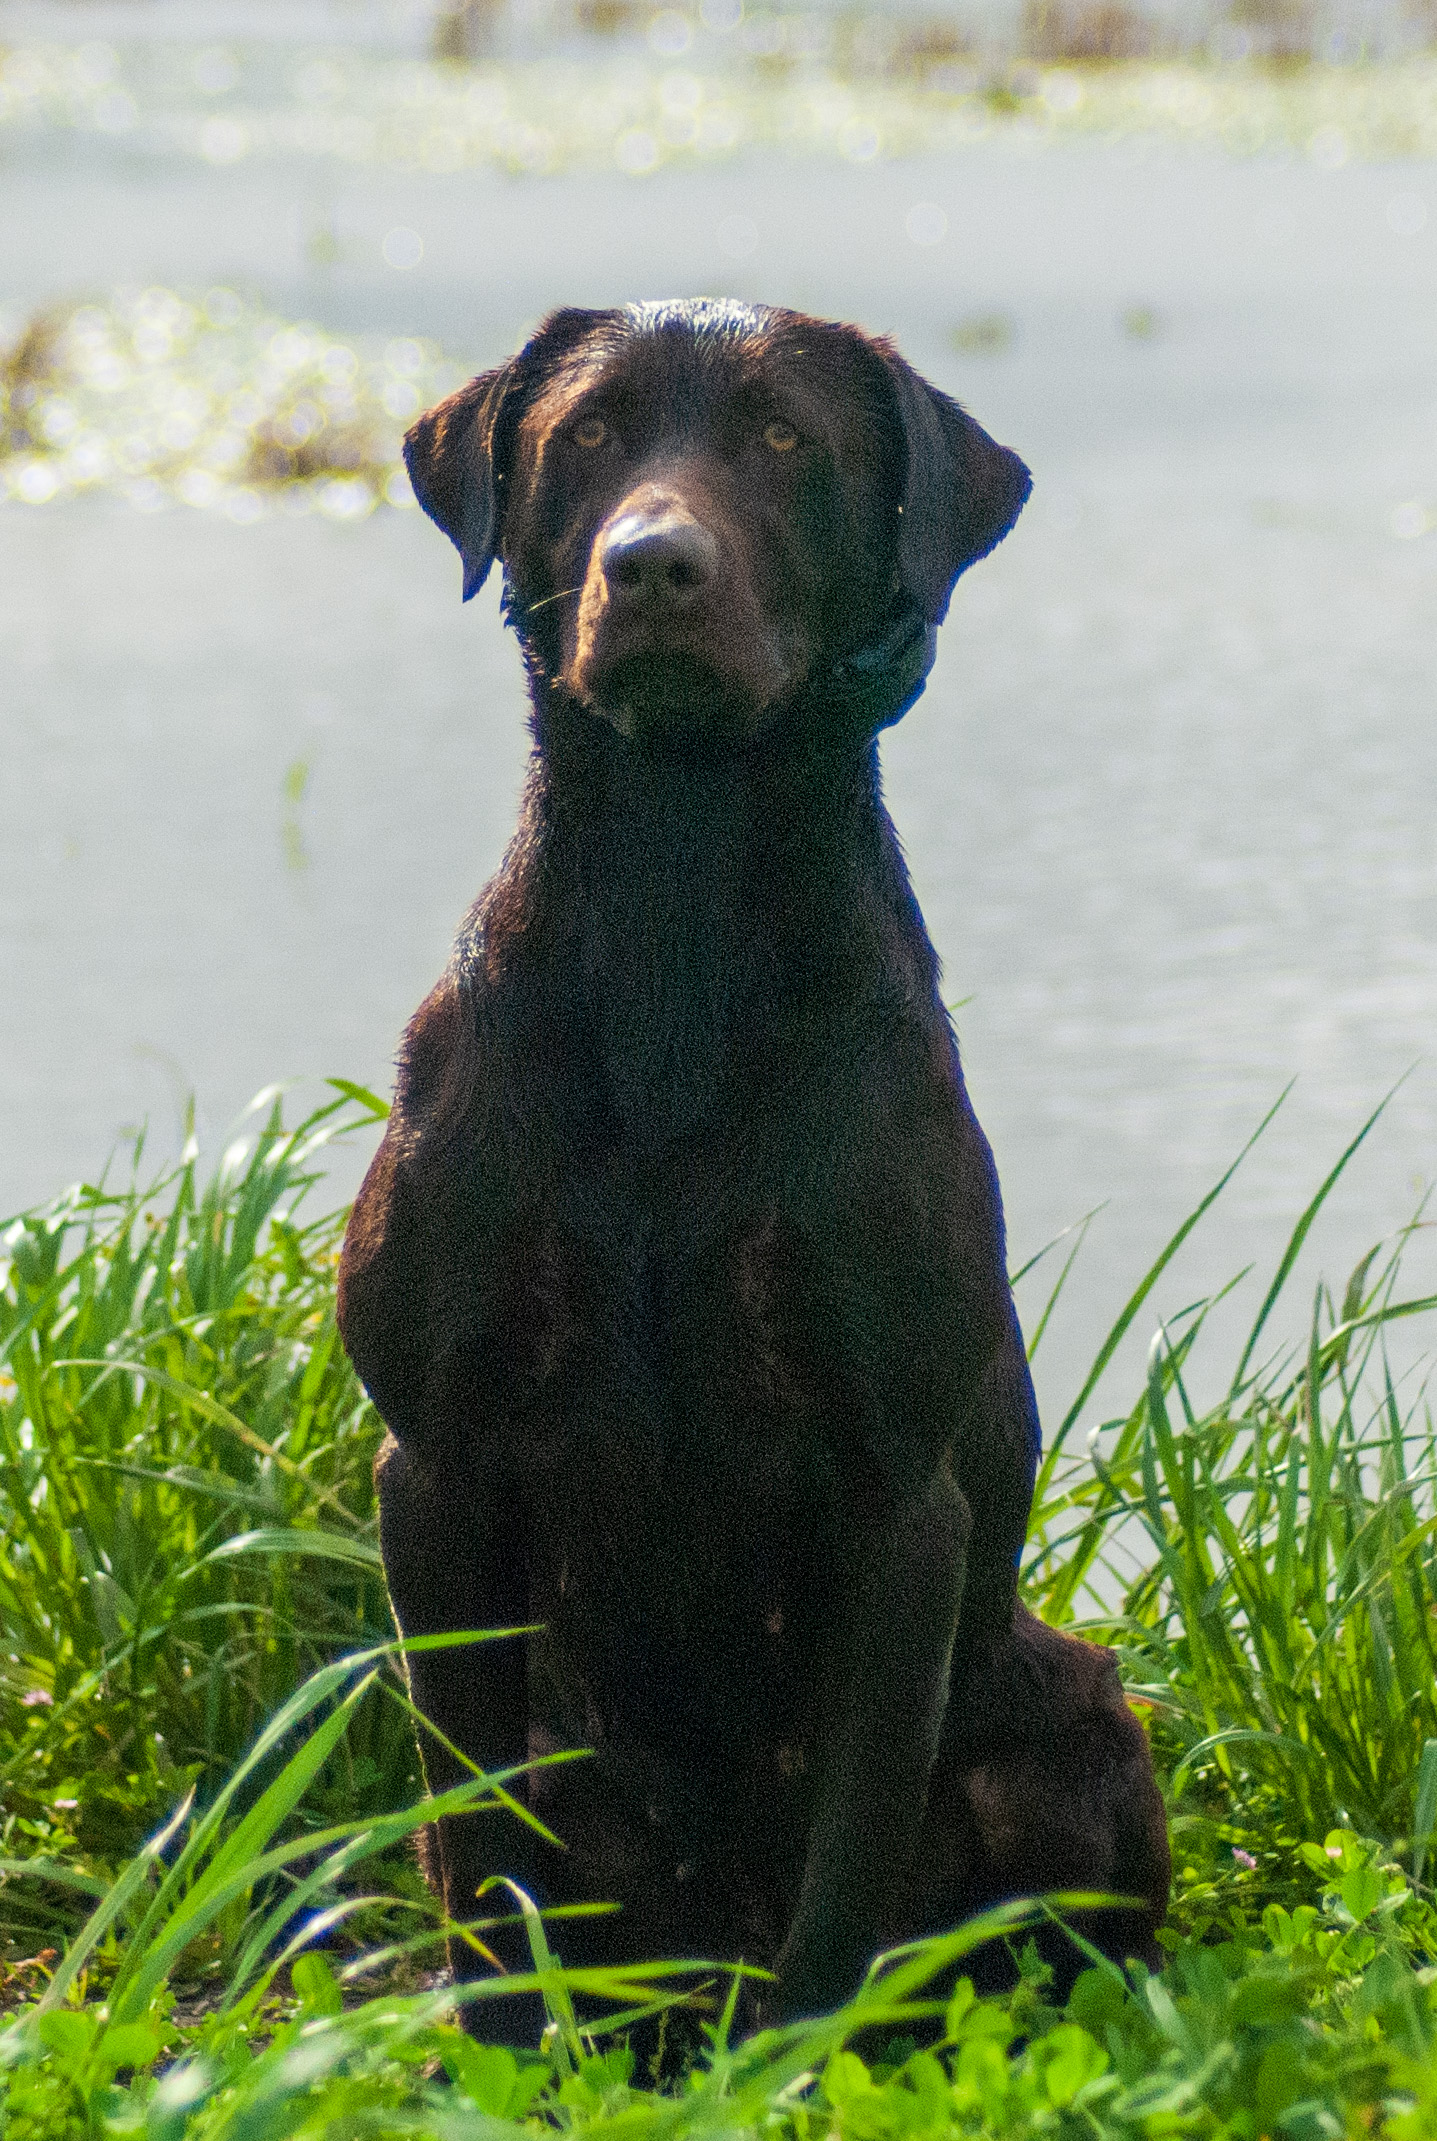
886	1689
451	1520
454	1557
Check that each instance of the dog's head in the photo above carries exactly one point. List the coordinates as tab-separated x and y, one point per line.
702	507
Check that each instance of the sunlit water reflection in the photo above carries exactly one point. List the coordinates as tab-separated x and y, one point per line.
1168	799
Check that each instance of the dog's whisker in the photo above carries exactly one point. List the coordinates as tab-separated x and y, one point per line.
545	600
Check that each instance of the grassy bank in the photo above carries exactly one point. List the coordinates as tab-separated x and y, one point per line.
208	1765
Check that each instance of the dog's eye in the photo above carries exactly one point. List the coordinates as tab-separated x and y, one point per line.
780	436
590	431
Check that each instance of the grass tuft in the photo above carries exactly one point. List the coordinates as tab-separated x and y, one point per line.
188	1511
213	1921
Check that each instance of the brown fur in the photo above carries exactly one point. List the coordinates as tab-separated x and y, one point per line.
679	1278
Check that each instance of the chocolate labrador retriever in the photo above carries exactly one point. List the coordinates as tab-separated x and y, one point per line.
679	1278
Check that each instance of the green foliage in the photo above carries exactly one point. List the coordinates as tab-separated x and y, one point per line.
1266	1567
193	1612
81	2058
1316	2023
187	1506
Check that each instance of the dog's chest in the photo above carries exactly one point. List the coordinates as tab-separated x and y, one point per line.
666	1281
679	1568
676	1454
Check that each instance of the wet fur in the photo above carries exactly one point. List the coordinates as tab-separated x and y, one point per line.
679	1278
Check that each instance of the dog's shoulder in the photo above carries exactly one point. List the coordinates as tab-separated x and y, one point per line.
439	1058
438	1074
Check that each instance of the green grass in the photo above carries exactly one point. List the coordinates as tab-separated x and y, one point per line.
212	1918
185	1475
1266	1565
1315	2023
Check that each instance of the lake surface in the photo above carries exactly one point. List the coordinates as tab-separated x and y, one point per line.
1170	800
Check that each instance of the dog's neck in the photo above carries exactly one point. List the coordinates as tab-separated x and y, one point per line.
666	950
695	900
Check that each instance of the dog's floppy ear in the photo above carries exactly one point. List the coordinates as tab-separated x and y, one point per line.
962	493
458	452
450	457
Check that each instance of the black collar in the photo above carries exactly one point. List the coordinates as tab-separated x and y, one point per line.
873	687
881	681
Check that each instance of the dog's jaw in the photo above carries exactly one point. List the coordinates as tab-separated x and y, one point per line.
704	660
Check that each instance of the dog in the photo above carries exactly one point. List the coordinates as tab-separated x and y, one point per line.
679	1277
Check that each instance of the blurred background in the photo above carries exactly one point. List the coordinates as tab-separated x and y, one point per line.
1169	798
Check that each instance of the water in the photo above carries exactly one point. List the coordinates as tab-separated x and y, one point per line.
1168	800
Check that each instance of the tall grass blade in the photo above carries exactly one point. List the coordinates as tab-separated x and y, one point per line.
1081	1234
219	1415
1155	1271
370	1102
568	2044
1300	1233
1424	1812
311	1545
109	1911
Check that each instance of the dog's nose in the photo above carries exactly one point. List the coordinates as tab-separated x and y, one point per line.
659	557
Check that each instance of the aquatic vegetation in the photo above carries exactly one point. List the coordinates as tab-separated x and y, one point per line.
801	84
208	400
